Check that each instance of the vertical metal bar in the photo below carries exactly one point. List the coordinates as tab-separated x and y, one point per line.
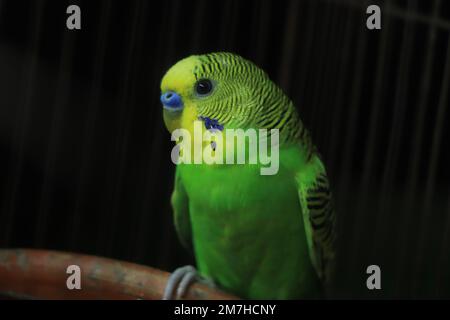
413	169
349	137
290	37
164	53
444	257
380	221
336	101
200	10
432	166
162	234
91	119
336	136
317	92
331	75
261	36
2	2
369	156
56	126
22	124
306	51
228	24
119	151
143	219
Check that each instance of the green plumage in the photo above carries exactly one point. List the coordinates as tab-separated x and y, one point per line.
256	236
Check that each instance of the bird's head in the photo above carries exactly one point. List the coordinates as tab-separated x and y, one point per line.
221	89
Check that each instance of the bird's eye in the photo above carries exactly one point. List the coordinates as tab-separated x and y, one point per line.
203	87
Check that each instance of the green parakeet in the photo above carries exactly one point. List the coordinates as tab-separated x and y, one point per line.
256	236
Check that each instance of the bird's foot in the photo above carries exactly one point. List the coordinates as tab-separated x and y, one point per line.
180	280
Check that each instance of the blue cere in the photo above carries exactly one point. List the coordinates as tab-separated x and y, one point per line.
171	101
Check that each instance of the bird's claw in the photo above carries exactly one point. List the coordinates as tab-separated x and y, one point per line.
179	281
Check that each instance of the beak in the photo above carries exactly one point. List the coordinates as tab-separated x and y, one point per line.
171	101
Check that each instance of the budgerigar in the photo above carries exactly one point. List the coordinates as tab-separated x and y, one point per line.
256	236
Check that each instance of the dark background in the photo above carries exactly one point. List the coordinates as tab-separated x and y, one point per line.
85	159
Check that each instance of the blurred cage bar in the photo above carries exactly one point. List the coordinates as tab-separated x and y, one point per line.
85	160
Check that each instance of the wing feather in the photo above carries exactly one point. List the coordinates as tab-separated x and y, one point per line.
182	219
318	216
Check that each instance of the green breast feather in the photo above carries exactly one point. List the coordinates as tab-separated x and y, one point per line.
254	235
